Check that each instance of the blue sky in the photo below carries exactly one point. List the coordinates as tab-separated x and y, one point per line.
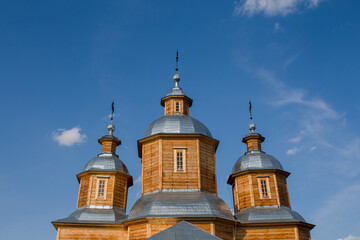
62	63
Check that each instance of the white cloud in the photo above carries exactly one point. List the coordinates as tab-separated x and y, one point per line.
292	58
313	148
272	7
292	151
350	237
138	180
109	116
68	137
295	139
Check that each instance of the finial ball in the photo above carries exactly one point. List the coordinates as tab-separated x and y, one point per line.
176	77
252	127
111	128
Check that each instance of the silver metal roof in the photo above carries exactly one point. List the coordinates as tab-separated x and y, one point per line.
176	90
106	162
254	160
177	123
180	204
95	215
183	231
262	214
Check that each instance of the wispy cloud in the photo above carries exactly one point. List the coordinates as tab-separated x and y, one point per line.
292	59
350	237
68	137
272	7
138	180
316	117
295	139
292	151
313	148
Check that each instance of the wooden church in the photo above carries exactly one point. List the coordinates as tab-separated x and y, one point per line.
179	189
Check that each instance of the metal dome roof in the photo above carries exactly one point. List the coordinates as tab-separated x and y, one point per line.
180	203
177	123
95	215
106	162
254	160
264	214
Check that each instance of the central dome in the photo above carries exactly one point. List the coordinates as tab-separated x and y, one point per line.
177	123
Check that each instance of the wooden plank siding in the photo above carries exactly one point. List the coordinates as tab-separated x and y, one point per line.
272	199
187	179
150	166
92	233
83	192
242	192
283	190
207	167
120	192
270	232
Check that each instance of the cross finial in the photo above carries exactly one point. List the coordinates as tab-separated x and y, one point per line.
111	127
250	109
177	60
252	126
112	111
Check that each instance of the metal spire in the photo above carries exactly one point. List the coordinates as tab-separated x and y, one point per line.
111	127
250	109
177	60
176	75
112	111
252	126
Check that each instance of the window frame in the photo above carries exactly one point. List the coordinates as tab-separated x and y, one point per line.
98	188
267	187
181	150
177	107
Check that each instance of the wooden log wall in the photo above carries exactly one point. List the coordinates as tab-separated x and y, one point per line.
270	232
247	191
91	233
83	192
150	166
187	179
207	167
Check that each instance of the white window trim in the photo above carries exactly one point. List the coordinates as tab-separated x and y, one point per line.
183	150
266	179
97	188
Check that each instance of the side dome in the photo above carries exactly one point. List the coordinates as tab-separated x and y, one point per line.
177	123
254	160
106	162
181	203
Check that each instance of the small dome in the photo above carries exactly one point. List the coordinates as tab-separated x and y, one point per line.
254	160
264	214
177	123
106	162
180	203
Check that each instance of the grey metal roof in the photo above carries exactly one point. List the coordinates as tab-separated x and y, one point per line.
254	160
176	91
95	215
183	231
106	162
262	214
180	204
177	123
